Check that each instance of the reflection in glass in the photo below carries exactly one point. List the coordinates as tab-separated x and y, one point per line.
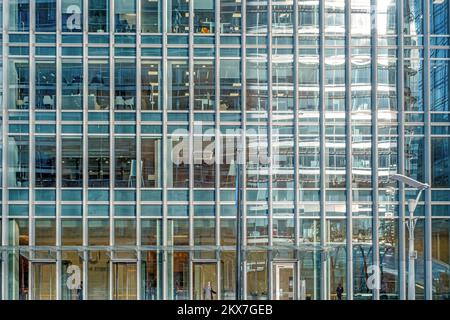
98	86
178	85
125	15
177	170
282	17
19	84
98	161
150	85
19	15
441	259
45	158
414	158
257	95
18	275
440	162
72	15
72	85
98	15
45	15
413	75
256	17
439	17
18	161
72	162
230	85
413	17
257	275
230	16
125	85
179	11
204	16
125	162
46	85
151	16
439	85
151	162
204	85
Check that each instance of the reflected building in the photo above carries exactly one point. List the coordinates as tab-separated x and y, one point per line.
98	97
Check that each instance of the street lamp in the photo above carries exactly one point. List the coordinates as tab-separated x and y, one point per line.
235	170
411	224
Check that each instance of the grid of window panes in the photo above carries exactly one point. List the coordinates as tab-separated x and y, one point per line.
343	93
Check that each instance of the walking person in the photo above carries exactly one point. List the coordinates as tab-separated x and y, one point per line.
339	291
208	292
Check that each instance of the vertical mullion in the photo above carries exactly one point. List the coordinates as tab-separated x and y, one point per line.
401	150
322	151
85	147
427	123
191	145
58	147
5	193
138	147
112	177
32	103
348	153
374	112
218	150
243	153
269	140
163	146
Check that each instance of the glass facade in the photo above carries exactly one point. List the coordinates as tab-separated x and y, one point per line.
121	126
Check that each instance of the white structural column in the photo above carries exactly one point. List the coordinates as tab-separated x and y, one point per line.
401	151
4	141
348	149
427	161
374	172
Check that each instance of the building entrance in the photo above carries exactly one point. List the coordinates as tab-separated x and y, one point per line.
124	281
284	281
205	273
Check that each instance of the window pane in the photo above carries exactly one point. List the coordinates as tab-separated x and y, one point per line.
45	15
125	85
151	16
72	85
45	158
19	84
151	162
18	161
72	162
19	15
204	85
230	85
125	162
72	15
440	155
204	16
179	10
98	15
46	85
71	232
98	161
98	85
178	82
177	162
230	16
150	85
125	15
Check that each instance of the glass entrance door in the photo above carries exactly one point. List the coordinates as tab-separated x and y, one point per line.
284	281
205	281
124	281
44	281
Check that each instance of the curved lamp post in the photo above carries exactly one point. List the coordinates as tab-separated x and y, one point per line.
411	224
